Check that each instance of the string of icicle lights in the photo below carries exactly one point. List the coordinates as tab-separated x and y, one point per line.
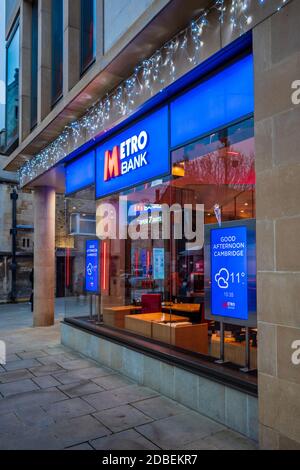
149	77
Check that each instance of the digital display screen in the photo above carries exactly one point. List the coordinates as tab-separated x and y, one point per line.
92	266
229	272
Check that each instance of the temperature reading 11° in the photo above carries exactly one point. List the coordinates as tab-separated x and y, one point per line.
237	277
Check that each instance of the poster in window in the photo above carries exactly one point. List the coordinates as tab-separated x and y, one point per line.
158	263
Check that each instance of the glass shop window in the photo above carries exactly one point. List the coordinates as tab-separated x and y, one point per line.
12	88
151	282
87	33
34	62
154	287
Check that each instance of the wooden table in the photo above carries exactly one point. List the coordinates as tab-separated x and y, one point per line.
188	308
142	323
115	316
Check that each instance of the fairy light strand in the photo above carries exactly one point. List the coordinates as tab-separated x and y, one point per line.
149	77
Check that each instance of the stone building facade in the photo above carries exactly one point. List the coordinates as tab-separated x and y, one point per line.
130	32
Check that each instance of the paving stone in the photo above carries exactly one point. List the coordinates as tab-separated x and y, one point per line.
77	364
57	350
117	397
9	423
121	418
46	381
12	357
34	416
110	382
45	370
21	386
230	440
70	408
125	440
50	395
30	440
81	374
78	430
83	446
56	359
199	445
6	377
80	389
21	364
160	407
32	354
177	431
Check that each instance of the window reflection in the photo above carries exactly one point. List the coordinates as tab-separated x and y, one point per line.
155	288
57	49
12	88
87	33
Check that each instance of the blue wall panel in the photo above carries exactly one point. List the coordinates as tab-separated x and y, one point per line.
220	100
80	173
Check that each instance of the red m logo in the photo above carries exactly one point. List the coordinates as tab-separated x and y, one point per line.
112	165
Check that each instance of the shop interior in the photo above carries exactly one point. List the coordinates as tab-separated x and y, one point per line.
153	287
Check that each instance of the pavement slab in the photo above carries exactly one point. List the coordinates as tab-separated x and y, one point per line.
122	418
20	386
118	397
6	377
52	397
70	408
46	381
159	407
109	382
124	440
80	389
21	364
78	430
177	431
82	374
32	354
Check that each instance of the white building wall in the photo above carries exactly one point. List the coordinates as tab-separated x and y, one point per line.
119	16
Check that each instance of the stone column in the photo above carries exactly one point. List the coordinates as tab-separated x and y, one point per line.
44	256
71	44
276	55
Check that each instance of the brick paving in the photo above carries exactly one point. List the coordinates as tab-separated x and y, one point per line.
53	398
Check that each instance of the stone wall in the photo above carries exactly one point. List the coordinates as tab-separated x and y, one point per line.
24	243
277	65
119	15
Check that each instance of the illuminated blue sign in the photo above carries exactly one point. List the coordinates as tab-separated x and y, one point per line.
92	266
229	273
80	173
138	154
216	102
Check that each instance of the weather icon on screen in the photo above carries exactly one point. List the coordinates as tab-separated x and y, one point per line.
89	269
222	278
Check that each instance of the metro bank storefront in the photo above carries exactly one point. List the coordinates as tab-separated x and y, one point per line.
172	305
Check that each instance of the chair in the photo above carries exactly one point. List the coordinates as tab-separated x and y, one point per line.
151	303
